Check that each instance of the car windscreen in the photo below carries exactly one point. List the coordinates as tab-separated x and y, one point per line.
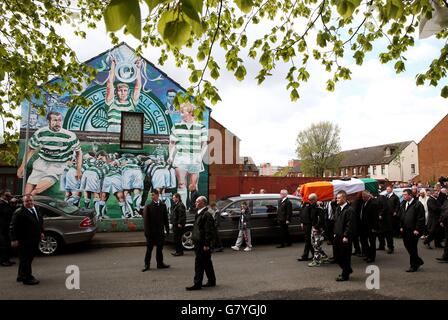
61	205
223	203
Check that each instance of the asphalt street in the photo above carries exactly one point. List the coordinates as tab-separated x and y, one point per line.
264	273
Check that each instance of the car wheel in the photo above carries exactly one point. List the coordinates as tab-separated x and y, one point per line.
187	239
51	244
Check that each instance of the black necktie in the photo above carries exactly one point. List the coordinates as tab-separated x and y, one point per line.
34	213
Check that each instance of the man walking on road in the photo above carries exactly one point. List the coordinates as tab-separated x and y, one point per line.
284	215
179	218
203	237
155	218
308	211
343	235
412	224
26	232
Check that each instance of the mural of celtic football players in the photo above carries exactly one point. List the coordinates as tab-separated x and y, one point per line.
159	175
188	144
118	100
132	182
70	184
54	146
95	168
112	184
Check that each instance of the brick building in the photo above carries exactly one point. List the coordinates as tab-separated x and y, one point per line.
433	153
394	162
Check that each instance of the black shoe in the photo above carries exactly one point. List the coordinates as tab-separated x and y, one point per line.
370	260
441	260
390	251
31	282
20	279
163	266
193	287
342	278
281	246
219	249
303	259
209	284
145	268
177	254
7	263
289	244
412	270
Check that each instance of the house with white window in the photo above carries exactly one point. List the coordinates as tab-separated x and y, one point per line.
394	162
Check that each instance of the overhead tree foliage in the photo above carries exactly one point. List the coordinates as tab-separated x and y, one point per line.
318	146
327	31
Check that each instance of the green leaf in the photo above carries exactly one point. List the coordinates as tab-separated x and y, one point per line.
399	66
117	14
420	79
154	3
294	95
173	29
240	73
346	7
214	73
444	92
134	23
330	85
189	8
243	41
121	13
245	5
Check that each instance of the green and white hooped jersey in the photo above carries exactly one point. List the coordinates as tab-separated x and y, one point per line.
54	146
99	167
113	170
130	163
115	109
188	138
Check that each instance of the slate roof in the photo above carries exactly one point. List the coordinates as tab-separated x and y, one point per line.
372	155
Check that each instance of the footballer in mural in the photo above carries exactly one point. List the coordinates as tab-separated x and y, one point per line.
74	153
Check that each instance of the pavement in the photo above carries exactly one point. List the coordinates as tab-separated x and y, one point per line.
118	239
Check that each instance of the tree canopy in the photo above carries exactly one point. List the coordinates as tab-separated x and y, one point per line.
318	146
331	32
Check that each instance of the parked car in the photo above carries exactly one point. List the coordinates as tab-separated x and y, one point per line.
263	219
64	224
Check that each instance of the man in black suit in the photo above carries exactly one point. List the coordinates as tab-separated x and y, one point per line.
394	207
155	218
194	194
441	195
203	237
369	225
444	225
309	210
284	215
433	223
6	211
356	202
178	219
343	235
26	231
412	224
386	214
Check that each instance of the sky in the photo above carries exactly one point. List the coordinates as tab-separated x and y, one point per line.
375	107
